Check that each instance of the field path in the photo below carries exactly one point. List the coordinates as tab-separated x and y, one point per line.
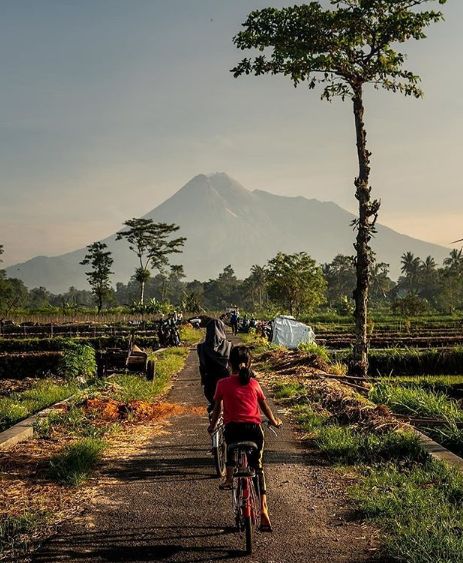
163	504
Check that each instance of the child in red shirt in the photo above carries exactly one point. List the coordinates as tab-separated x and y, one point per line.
242	399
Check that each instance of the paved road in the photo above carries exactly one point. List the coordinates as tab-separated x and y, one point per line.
163	504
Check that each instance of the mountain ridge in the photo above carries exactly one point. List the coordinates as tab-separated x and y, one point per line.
225	223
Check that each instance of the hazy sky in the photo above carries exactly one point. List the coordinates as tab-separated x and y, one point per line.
108	107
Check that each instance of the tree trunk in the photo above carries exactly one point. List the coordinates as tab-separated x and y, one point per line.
365	227
100	303
142	292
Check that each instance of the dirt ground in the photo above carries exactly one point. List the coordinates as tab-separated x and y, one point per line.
160	501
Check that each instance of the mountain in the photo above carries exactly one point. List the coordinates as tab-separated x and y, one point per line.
226	223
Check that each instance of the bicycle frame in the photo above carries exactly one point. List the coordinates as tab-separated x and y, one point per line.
246	499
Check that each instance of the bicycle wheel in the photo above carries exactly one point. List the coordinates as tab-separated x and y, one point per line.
218	454
248	533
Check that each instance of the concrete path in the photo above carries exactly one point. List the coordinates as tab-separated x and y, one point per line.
163	504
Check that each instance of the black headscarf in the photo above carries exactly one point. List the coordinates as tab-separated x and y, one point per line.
215	350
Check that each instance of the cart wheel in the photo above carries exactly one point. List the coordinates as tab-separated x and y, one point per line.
150	370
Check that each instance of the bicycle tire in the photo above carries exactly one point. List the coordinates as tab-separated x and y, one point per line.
248	533
219	460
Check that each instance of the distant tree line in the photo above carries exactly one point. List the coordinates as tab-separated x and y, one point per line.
289	283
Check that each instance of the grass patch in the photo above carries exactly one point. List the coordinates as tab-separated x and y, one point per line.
343	444
14	528
309	420
72	466
348	445
135	388
315	349
415	361
419	508
258	344
416	401
288	390
442	383
189	335
74	421
43	394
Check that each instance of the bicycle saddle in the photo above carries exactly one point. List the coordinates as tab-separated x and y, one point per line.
243	445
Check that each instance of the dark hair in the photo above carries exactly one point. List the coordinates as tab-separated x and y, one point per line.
240	360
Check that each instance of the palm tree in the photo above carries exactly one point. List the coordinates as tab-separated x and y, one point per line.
428	266
411	268
455	260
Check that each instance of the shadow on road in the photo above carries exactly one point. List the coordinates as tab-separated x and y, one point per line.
126	545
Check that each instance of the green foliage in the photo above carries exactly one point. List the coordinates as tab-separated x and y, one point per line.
42	394
134	388
151	243
295	282
75	421
412	361
308	419
345	445
410	306
13	529
288	390
72	466
338	48
315	349
78	361
13	294
101	262
190	335
418	507
416	401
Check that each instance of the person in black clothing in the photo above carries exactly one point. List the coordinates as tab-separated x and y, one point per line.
213	354
234	322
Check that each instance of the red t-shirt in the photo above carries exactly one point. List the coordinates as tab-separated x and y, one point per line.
240	402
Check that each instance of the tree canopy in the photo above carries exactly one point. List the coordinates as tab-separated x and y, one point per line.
342	48
101	261
152	245
295	282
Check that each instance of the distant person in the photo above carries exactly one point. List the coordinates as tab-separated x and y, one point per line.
234	322
213	354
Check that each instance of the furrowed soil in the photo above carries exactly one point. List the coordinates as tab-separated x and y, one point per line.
162	503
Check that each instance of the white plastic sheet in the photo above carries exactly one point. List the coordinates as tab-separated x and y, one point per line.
290	333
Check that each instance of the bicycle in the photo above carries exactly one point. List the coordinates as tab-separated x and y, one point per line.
219	448
245	490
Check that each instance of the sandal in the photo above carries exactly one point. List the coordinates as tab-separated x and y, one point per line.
226	486
266	528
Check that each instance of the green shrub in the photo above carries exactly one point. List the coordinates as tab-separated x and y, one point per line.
78	361
72	466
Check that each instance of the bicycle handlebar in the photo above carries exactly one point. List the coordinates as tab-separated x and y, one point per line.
270	426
